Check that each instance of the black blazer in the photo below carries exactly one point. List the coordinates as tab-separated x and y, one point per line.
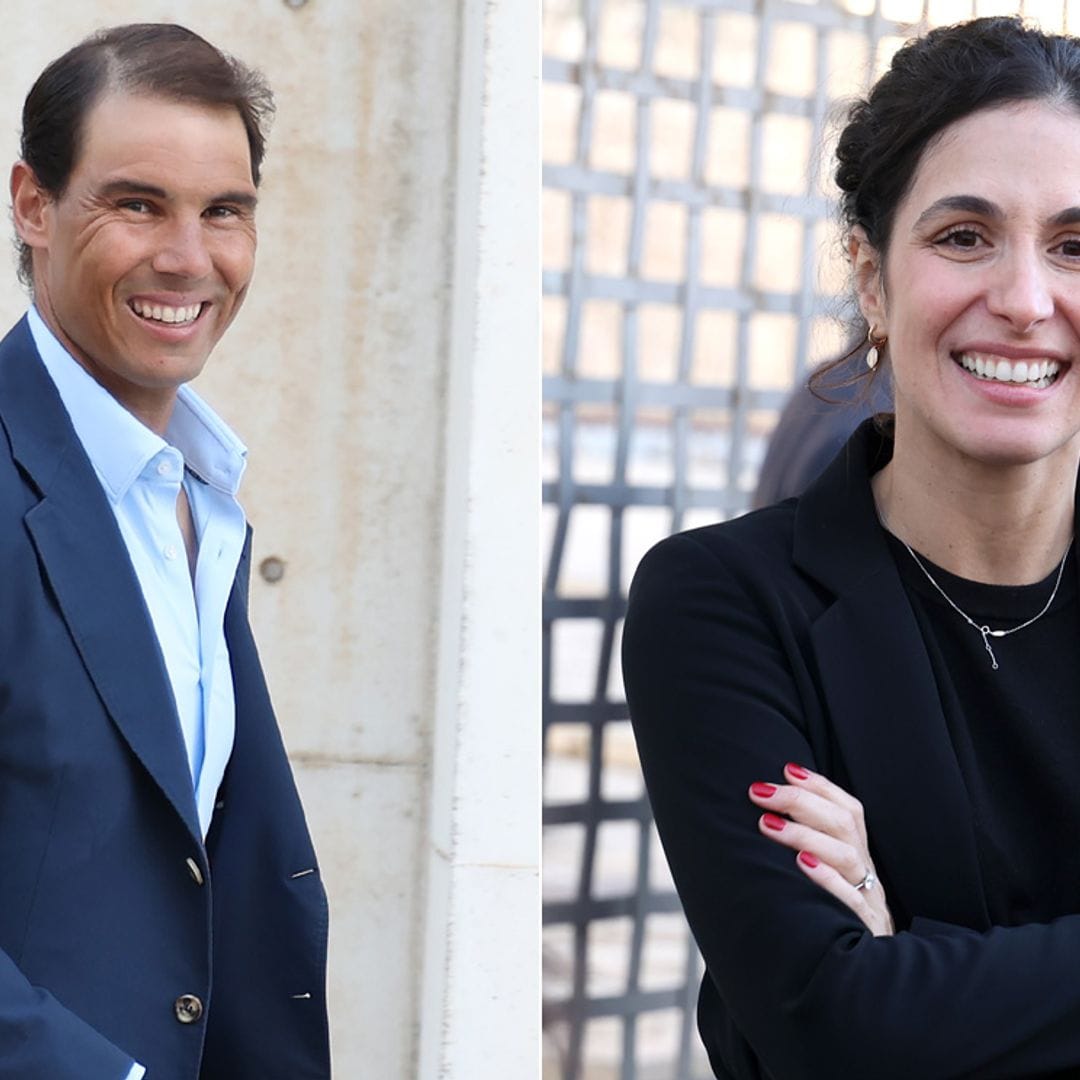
111	907
786	635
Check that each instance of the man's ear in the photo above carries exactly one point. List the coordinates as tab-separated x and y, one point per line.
30	205
869	288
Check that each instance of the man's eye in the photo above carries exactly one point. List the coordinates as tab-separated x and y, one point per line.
222	211
138	206
1070	248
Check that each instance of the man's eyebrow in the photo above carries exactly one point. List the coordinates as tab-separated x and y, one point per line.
968	204
137	187
132	187
237	198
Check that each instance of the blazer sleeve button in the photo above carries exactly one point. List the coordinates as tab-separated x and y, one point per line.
188	1008
194	871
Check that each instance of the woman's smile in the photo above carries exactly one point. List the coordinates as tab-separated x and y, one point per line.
992	367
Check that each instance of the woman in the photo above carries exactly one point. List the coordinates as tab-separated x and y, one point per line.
902	898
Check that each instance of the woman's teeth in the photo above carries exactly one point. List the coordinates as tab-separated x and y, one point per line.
164	313
1037	374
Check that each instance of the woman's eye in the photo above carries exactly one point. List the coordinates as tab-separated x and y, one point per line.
960	238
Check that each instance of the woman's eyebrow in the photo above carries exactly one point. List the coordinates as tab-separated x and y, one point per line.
975	204
969	204
1069	216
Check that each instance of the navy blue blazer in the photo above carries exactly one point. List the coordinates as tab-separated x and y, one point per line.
786	635
111	907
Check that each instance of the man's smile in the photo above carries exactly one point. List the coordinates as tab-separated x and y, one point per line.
166	313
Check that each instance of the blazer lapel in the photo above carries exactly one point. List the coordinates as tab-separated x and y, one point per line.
882	697
88	568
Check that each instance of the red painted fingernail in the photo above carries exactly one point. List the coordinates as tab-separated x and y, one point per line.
771	821
797	771
763	791
809	860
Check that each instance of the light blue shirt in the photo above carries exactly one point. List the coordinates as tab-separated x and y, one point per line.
141	474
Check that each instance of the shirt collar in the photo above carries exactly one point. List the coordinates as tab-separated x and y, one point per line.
118	445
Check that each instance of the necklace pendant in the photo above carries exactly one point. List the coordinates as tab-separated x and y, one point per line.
986	634
985	631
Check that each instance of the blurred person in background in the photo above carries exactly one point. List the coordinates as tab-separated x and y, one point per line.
815	423
857	711
162	912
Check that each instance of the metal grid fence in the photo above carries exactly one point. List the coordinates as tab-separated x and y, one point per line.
689	279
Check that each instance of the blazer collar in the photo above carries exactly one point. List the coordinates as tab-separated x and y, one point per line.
87	565
882	697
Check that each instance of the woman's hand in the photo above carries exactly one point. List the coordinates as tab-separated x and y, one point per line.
825	825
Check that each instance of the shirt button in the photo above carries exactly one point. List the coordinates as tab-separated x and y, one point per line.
194	871
170	551
164	468
188	1008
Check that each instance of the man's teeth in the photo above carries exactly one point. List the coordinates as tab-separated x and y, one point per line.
164	313
1034	373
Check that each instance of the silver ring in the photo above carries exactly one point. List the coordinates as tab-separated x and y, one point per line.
867	882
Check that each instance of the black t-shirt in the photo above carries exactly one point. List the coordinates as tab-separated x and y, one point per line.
1016	730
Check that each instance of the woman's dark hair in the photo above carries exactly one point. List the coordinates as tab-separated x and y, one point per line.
157	59
933	81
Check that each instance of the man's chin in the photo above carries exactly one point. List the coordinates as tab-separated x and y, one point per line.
158	373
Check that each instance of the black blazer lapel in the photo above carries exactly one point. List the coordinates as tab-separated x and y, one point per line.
882	697
87	566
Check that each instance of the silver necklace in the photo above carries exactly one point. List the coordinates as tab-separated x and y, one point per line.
986	632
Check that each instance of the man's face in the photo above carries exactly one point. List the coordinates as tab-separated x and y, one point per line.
144	260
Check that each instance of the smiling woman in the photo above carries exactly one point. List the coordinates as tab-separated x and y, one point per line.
982	271
899	898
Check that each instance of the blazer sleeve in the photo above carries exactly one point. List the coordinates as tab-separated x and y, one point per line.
719	695
42	1040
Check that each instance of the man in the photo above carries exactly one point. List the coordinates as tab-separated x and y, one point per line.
161	910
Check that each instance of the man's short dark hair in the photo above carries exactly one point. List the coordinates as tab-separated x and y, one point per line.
157	59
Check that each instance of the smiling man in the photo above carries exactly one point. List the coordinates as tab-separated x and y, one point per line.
162	912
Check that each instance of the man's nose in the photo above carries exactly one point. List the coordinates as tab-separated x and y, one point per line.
182	250
1022	290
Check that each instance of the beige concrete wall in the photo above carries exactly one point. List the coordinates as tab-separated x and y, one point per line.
335	374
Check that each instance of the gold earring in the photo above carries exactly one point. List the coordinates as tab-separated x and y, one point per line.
873	354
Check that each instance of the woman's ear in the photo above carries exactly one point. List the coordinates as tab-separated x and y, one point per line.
869	287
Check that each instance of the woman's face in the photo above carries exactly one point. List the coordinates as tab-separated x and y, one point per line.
980	296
